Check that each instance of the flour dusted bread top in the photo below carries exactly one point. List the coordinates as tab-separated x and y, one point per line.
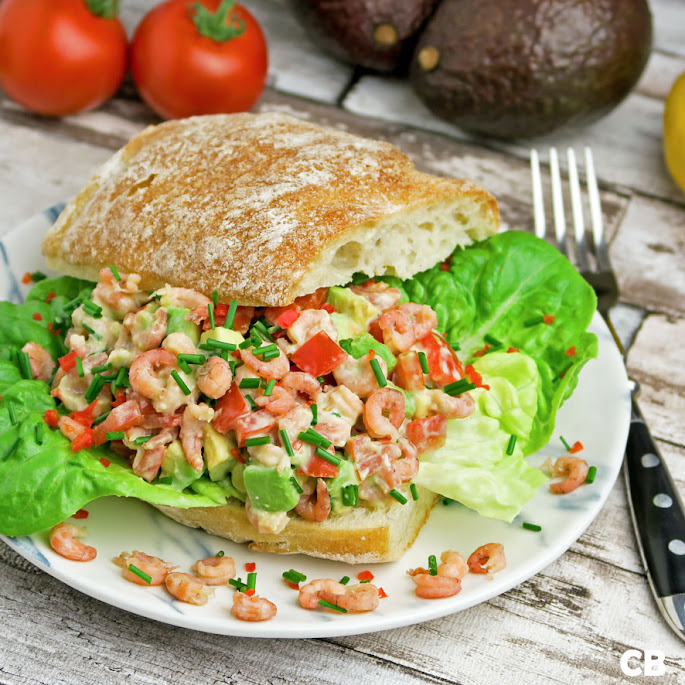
263	208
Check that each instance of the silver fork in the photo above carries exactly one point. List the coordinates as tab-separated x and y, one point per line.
656	509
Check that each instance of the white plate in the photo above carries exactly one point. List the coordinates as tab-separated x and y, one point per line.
597	414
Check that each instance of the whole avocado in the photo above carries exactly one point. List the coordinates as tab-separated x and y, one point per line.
378	34
520	68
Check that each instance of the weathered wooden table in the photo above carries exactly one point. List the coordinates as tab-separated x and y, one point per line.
568	624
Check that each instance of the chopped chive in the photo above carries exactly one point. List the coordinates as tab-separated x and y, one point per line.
115	273
414	492
101	418
166	480
295	575
398	496
263	331
92	309
315	414
10	411
254	442
532	526
566	445
432	565
210	309
192	358
511	444
213	344
79	367
492	340
592	472
248	342
231	363
286	442
424	362
11	449
314	438
321	379
94	388
324	603
220	553
215	297
230	314
180	382
364	581
40	432
87	328
115	435
250	383
296	485
344	580
446	501
251	581
183	365
459	387
269	388
251	402
533	322
109	377
142	439
265	350
25	365
273	329
38	276
455	346
328	456
378	373
140	574
272	355
238	584
122	378
350	495
101	369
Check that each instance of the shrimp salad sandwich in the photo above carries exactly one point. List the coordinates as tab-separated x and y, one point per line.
288	336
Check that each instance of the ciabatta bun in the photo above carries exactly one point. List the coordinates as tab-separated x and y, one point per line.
263	208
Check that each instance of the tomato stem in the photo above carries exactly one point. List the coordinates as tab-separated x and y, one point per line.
107	9
221	25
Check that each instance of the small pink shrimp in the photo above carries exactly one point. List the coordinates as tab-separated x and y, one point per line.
335	428
404	468
354	598
309	323
42	364
379	294
300	382
143	376
195	417
487	559
255	608
436	587
423	318
156	568
398	330
149	456
574	468
63	541
315	507
281	401
70	428
358	375
187	588
310	593
453	565
457	407
276	368
215	570
179	343
384	413
121	296
214	378
271	456
182	297
146	333
297	420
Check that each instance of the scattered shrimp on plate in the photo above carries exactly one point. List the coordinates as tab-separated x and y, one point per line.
215	570
488	559
252	608
64	541
188	589
157	569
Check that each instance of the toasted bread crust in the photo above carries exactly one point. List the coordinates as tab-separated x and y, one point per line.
263	208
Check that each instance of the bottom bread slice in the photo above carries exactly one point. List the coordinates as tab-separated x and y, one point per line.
358	535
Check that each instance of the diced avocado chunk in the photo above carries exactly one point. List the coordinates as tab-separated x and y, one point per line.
176	466
212	491
347	474
355	306
176	322
361	345
230	490
237	480
270	490
217	452
222	335
409	400
346	327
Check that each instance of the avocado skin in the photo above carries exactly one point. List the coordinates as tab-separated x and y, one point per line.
345	28
521	68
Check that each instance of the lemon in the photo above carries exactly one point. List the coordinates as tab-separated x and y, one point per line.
674	131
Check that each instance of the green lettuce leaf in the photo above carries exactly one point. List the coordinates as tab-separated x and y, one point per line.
473	466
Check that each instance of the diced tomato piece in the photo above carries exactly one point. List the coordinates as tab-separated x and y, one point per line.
68	361
318	467
51	418
482	351
250	591
428	434
250	566
365	575
513	349
105	462
549	319
577	447
313	300
287	318
375	330
408	372
80	514
231	406
367	454
243	318
85	416
443	363
291	585
121	418
37	316
220	312
475	377
571	352
272	314
119	398
328	307
52	329
319	355
382	593
254	425
84	441
50	297
154	420
236	453
26	278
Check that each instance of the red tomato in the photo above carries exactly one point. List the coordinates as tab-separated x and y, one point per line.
313	300
83	441
121	418
228	409
68	361
254	425
367	454
51	418
85	416
181	72
443	363
319	355
428	434
57	57
318	467
408	372
243	317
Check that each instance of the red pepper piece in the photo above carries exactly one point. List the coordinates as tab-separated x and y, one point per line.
475	377
382	593
328	307
408	372
250	566
68	361
318	467
105	462
85	416
37	316
291	585
513	349
229	408
571	352
482	351
84	441
121	418
26	278
50	296
365	575
429	433
80	514
287	318
51	418
236	453
319	355
119	398
443	363
249	592
549	319
577	447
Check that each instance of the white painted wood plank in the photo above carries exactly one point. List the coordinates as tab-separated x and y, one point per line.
669	25
661	72
295	65
626	143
